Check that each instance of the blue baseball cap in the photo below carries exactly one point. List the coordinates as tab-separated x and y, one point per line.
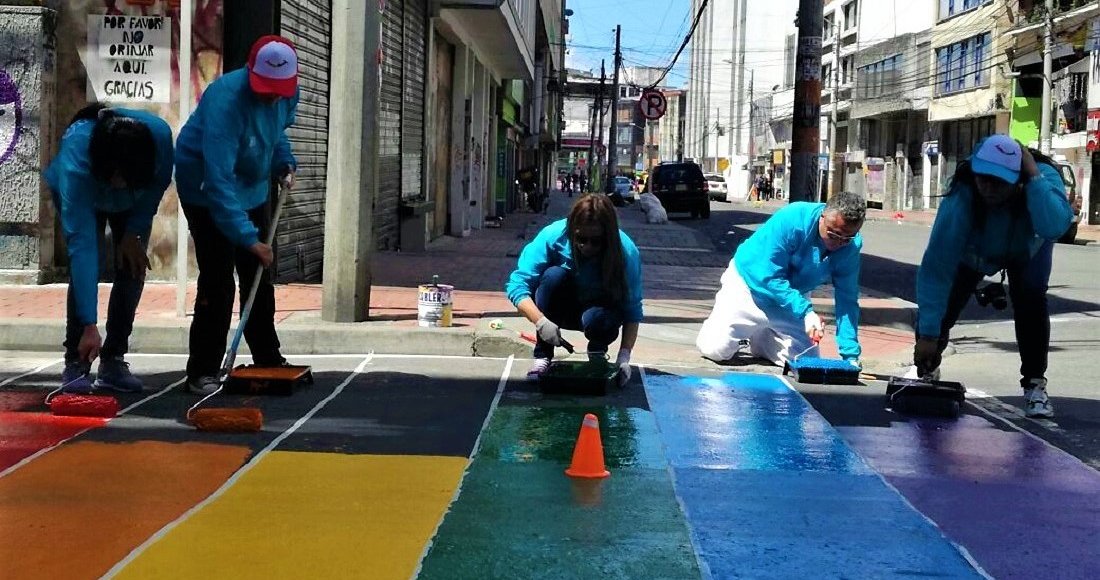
998	156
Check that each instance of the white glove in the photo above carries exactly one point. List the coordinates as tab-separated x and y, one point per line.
815	328
623	362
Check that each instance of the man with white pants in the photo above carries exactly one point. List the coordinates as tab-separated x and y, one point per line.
764	300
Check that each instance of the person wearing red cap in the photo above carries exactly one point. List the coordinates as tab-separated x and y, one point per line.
228	154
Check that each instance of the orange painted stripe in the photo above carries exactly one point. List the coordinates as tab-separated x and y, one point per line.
75	512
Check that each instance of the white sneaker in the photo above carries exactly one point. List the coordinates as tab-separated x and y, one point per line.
1036	403
538	368
203	385
912	373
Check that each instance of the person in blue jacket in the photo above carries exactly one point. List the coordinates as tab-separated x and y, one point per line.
228	154
113	168
581	273
1002	213
764	300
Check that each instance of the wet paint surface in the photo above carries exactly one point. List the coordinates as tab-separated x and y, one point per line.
1022	509
24	433
520	516
770	489
77	510
312	515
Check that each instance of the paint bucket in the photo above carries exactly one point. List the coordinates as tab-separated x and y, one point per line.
434	305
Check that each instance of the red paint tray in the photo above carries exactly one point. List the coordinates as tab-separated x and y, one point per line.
255	380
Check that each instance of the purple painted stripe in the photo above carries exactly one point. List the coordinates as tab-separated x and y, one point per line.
1022	508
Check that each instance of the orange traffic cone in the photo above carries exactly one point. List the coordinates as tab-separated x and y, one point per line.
588	454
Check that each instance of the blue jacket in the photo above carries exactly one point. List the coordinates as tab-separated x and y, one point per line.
552	248
787	258
78	196
229	151
1004	239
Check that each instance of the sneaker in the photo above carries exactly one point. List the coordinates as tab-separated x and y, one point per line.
75	379
1036	403
912	373
538	368
203	385
114	374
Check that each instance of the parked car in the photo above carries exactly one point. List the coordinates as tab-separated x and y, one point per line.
680	186
624	187
1074	198
717	185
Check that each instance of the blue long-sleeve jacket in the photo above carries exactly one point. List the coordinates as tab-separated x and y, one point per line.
229	150
786	258
1005	238
78	195
552	248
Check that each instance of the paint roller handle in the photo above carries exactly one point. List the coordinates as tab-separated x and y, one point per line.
231	354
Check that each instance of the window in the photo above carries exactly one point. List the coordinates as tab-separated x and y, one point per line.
880	79
949	8
962	65
851	15
828	28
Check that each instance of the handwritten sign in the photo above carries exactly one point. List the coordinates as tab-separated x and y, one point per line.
129	58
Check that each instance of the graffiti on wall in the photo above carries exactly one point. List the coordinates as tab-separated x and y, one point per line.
11	115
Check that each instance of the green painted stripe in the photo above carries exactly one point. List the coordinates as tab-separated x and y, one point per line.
520	516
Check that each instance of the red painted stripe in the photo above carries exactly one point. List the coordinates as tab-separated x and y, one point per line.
24	434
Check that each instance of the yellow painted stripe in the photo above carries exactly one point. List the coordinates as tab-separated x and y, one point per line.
312	515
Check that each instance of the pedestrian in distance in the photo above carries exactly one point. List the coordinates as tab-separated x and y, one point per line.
1002	213
232	149
580	273
112	168
764	302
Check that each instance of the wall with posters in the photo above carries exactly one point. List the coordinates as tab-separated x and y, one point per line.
127	52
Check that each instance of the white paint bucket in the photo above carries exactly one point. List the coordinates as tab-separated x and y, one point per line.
434	305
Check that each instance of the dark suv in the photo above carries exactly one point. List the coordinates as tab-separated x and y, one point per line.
680	187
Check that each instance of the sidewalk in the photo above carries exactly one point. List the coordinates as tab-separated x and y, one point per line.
681	275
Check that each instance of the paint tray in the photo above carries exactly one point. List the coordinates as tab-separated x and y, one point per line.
592	378
256	380
925	397
824	371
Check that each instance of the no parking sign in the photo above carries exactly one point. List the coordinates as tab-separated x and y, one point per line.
653	104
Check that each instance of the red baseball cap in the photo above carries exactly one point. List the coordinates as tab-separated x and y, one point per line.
273	67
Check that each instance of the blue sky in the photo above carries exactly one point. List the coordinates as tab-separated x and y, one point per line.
652	31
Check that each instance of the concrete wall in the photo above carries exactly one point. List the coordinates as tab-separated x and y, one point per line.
881	20
27	82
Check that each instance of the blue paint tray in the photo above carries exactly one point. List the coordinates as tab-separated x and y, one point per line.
823	371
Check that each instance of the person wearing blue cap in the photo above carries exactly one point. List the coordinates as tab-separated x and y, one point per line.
228	154
113	168
1002	213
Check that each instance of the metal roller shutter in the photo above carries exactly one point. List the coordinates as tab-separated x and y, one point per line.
300	239
412	117
389	126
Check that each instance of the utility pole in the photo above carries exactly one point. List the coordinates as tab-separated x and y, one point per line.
613	138
836	104
591	164
595	166
752	127
805	141
1048	72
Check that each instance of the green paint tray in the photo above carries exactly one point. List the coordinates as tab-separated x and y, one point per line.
592	378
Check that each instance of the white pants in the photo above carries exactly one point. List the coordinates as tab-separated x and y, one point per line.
737	317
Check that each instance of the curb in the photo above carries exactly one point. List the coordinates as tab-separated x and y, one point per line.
171	337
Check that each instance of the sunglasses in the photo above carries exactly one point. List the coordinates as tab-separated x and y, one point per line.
839	237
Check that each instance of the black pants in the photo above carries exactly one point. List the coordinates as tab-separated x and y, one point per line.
1027	289
125	294
217	258
556	297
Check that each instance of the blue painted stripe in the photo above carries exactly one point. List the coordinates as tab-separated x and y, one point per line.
770	488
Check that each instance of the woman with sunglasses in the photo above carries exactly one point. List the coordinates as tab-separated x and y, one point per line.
580	273
764	300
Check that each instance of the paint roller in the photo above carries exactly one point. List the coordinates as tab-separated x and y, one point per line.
74	405
237	419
